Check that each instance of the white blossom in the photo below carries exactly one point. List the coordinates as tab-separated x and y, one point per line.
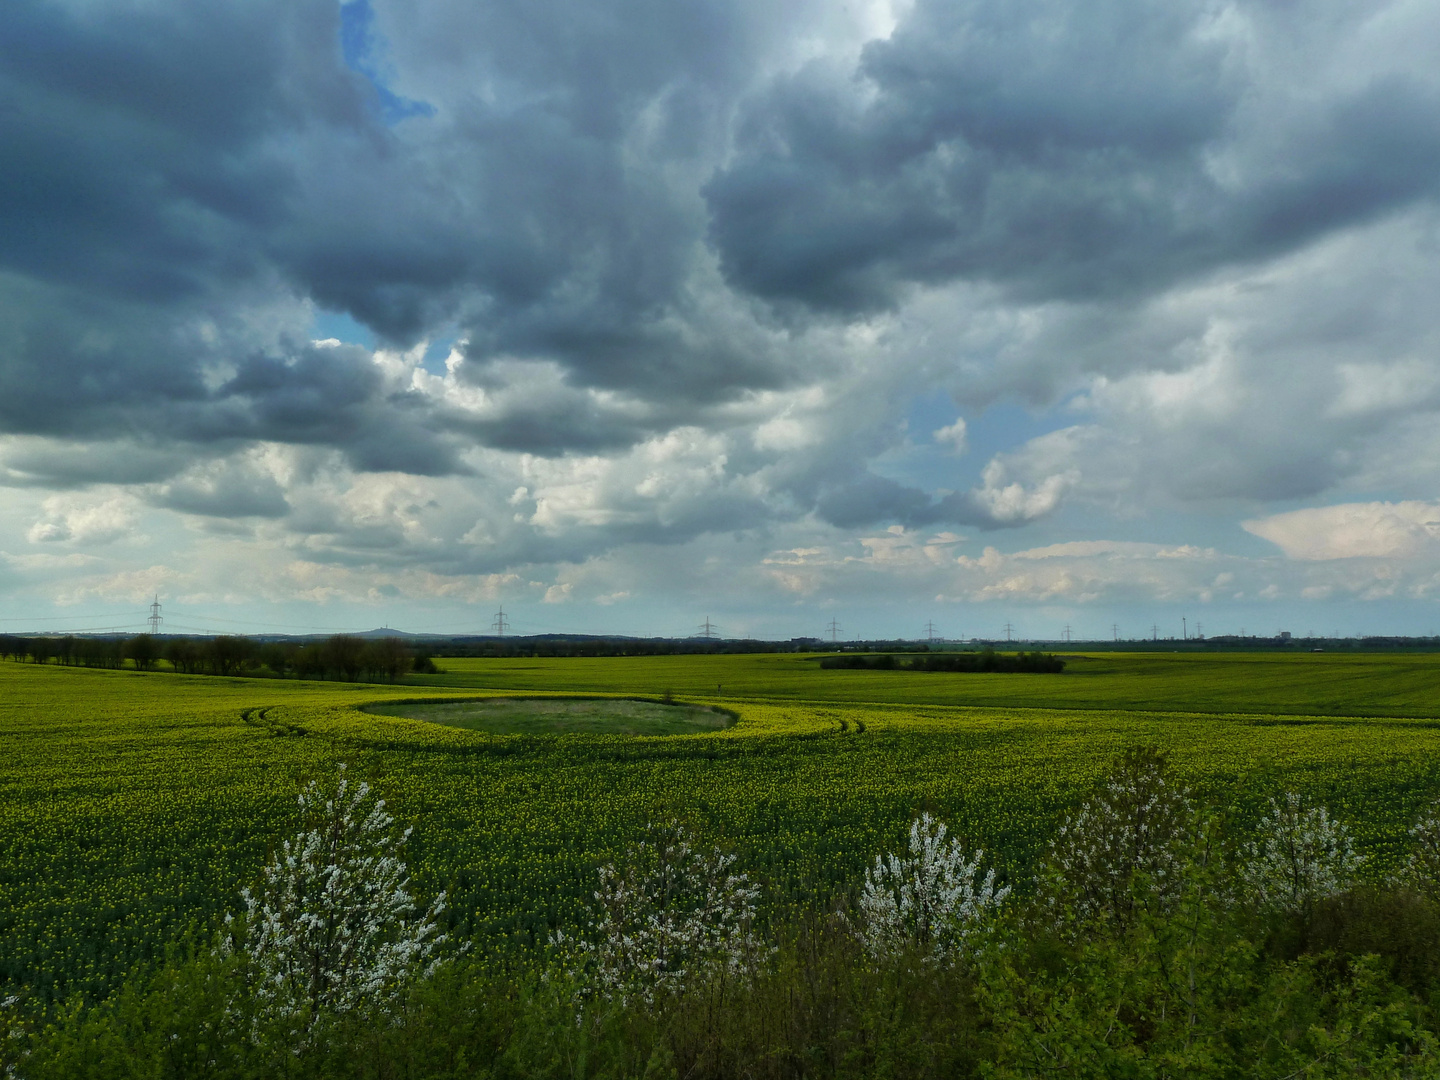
932	898
1422	869
1124	846
670	913
331	927
16	1036
1299	856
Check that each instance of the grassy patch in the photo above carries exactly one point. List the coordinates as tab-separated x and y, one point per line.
564	716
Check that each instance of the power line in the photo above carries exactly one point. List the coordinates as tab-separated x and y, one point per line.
155	620
1115	629
501	623
1067	633
1007	631
930	631
1154	632
834	629
707	629
265	622
73	632
66	618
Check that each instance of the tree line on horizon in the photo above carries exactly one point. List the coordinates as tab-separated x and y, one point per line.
987	660
342	657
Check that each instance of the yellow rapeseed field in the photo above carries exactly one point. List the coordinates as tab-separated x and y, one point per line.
135	806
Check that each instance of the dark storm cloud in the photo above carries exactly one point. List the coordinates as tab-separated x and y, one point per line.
871	499
1062	150
141	154
551	209
330	397
179	182
863	499
98	370
60	465
149	158
224	493
171	168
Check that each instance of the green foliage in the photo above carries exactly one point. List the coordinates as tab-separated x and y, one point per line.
1184	997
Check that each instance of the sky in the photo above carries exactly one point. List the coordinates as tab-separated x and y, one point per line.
623	315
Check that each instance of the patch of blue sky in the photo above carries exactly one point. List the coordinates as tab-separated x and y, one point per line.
342	327
934	465
437	352
364	52
923	461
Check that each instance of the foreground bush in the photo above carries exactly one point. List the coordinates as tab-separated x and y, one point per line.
1160	1000
332	926
1151	946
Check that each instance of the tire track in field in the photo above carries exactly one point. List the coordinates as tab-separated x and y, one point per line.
260	718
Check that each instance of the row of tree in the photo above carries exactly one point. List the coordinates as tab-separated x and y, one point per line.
577	645
986	660
343	656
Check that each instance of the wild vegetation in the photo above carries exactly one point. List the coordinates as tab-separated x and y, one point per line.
1284	910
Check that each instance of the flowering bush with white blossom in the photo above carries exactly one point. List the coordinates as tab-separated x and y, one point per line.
13	1037
932	898
1124	848
1421	871
332	926
1299	855
670	913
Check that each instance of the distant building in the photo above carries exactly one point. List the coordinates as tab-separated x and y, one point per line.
1283	635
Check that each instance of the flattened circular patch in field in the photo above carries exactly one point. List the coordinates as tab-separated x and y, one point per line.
564	716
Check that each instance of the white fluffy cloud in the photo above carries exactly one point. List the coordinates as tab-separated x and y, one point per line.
83	521
1377	530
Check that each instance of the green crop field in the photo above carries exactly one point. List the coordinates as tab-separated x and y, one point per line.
133	807
1366	684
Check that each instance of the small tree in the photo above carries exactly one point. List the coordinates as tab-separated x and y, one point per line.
143	651
390	657
183	654
331	927
228	654
1299	856
1124	848
932	898
669	914
1422	869
344	654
